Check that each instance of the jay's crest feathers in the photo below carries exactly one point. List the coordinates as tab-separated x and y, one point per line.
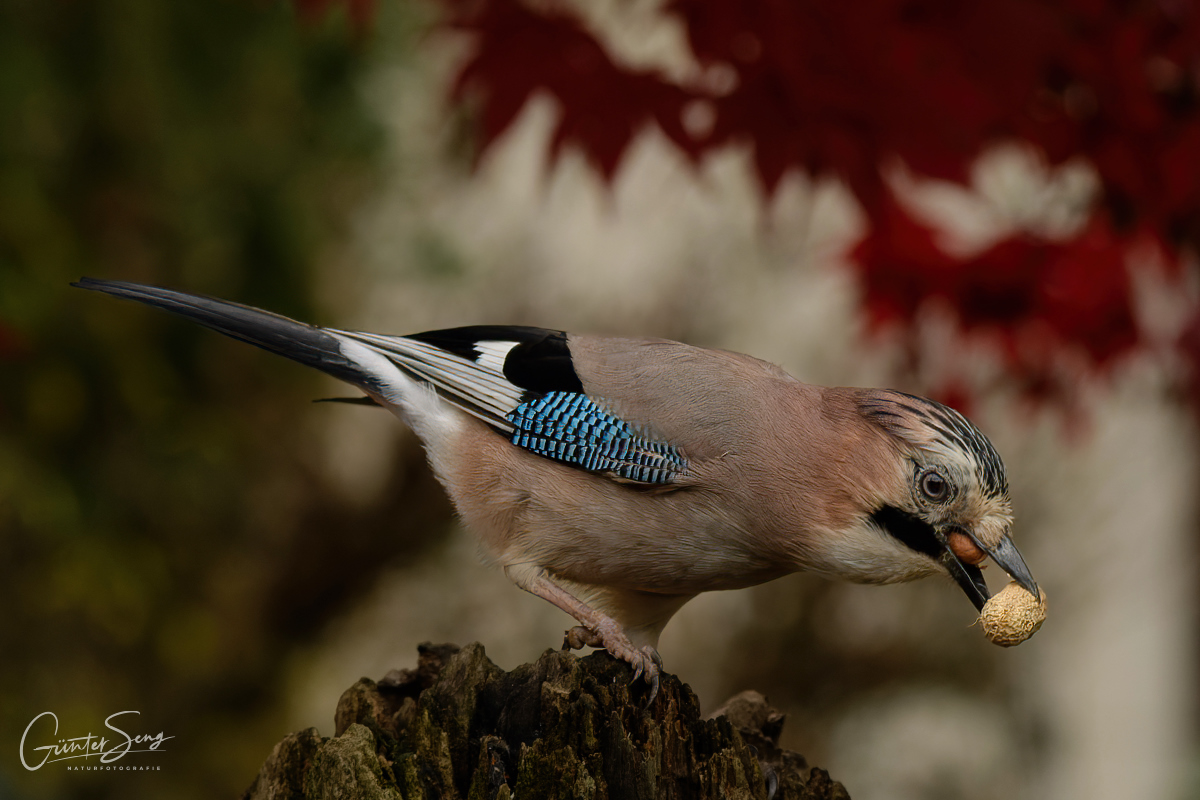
932	426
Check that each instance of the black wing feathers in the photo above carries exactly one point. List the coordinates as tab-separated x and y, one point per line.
540	362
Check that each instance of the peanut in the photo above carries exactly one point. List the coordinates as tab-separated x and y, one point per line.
1012	615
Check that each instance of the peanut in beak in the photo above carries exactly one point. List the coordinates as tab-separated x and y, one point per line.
1012	615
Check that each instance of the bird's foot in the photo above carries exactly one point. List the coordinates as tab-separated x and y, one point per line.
597	629
646	662
580	637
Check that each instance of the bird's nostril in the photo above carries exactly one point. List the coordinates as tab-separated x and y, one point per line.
964	549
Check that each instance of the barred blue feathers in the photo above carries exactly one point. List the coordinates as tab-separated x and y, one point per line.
570	427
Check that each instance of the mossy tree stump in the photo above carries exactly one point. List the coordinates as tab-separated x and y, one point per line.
459	727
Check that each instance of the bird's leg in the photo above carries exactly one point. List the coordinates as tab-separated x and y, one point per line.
596	629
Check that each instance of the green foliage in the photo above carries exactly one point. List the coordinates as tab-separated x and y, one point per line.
217	145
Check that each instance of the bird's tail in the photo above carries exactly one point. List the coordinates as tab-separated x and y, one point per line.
278	334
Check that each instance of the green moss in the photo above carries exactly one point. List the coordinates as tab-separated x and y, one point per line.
348	767
560	728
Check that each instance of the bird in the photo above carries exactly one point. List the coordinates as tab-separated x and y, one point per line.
618	478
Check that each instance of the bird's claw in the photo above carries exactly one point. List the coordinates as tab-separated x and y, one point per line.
650	698
646	662
771	779
647	666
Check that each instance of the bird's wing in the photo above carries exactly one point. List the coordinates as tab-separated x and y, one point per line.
522	382
708	403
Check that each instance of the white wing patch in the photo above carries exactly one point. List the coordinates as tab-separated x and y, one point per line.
492	354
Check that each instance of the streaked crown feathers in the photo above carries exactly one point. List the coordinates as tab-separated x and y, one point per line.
928	425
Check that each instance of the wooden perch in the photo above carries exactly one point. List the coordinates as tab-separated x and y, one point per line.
460	727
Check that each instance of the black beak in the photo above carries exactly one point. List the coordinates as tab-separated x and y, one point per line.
1009	559
970	577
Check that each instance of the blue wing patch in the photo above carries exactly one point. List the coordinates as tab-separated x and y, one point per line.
569	427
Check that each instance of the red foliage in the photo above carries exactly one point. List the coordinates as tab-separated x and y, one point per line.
519	53
840	89
1035	297
843	89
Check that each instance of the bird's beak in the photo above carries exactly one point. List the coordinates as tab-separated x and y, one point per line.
1008	558
970	577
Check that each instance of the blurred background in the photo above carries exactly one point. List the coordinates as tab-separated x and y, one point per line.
998	207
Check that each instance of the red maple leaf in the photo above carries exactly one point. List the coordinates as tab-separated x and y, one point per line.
1035	297
519	53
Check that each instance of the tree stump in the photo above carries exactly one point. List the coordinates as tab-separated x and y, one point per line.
459	727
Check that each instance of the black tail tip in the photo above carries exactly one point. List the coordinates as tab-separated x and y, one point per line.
96	284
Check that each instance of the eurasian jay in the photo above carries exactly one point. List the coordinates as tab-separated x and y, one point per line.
619	478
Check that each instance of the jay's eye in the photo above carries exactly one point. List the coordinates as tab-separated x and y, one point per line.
934	486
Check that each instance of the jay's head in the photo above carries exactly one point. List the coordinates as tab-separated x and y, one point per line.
948	506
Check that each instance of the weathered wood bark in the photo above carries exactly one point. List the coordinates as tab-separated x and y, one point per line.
564	727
